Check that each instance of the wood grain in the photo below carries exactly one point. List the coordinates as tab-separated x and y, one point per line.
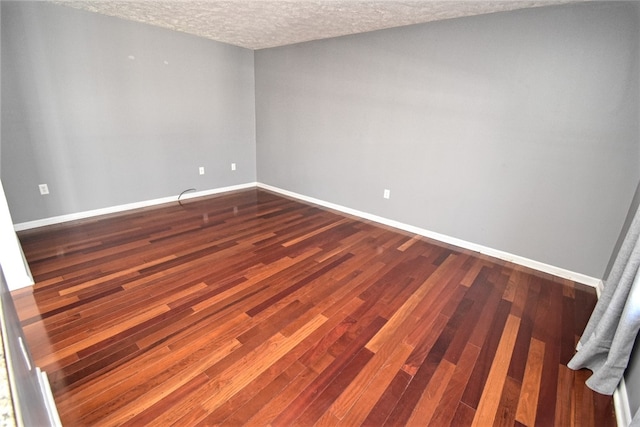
247	308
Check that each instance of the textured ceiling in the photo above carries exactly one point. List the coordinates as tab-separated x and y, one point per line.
258	24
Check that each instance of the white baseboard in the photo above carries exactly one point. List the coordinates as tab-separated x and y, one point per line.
120	208
599	288
516	259
621	405
49	402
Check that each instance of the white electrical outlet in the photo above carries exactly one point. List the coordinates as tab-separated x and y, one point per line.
386	194
201	170
44	189
233	166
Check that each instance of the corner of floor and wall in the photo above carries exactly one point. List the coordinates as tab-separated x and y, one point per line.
514	134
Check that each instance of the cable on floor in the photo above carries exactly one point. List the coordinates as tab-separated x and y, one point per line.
185	191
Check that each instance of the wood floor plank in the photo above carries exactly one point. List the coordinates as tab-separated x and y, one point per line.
584	400
324	400
229	382
158	384
355	403
490	399
329	374
528	403
447	408
425	372
249	308
274	407
508	405
246	403
463	416
402	313
387	402
564	398
478	380
406	245
246	411
69	348
551	364
426	406
521	349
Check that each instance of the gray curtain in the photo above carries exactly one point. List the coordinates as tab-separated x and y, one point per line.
607	341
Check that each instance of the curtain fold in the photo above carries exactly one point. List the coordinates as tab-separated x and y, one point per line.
607	341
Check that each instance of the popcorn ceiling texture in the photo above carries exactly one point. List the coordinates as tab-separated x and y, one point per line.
258	24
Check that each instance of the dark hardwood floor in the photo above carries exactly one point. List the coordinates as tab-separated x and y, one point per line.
249	308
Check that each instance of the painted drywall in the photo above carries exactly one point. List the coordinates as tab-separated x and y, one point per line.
12	262
517	131
109	112
632	374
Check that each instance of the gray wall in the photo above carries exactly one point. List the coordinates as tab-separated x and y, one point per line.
632	375
103	130
517	131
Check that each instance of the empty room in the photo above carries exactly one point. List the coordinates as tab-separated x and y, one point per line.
299	213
